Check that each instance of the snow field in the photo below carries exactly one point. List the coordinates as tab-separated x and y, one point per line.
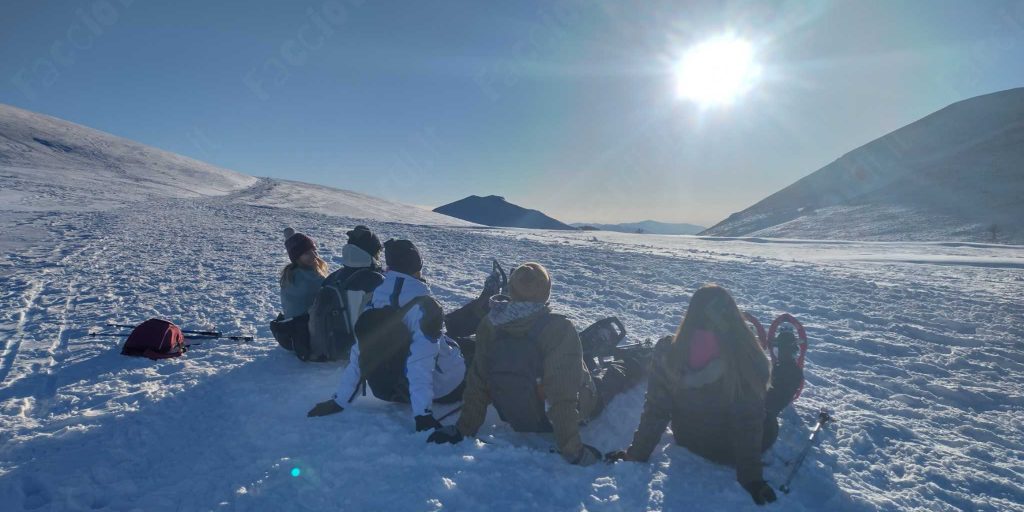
922	364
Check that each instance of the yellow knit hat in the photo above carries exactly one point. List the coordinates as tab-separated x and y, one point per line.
530	282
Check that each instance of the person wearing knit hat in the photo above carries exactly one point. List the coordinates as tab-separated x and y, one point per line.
403	256
363	249
435	365
302	277
530	282
432	366
516	326
355	281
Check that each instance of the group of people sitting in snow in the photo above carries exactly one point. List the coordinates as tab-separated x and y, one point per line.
508	348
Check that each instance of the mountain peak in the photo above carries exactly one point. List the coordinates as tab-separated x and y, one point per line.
495	211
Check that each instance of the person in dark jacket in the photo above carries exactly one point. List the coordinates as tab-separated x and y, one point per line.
711	381
573	393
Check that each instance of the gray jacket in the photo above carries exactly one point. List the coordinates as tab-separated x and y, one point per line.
298	295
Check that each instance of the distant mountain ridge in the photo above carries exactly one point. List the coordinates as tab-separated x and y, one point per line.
496	211
651	227
956	174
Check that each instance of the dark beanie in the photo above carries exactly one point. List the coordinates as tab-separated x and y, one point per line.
297	245
402	256
367	240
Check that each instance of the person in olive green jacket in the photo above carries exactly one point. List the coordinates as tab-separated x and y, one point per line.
520	327
710	381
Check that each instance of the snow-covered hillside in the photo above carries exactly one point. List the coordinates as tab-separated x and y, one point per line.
917	348
957	174
51	164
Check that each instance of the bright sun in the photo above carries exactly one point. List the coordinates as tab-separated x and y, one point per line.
717	71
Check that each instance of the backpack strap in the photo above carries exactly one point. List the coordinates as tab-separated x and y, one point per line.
540	324
397	292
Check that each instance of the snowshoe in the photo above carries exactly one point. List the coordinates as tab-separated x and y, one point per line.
785	342
757	329
497	281
639	353
601	338
788	350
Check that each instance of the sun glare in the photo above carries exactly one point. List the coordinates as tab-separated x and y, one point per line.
717	71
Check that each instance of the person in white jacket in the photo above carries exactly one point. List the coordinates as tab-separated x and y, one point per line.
435	368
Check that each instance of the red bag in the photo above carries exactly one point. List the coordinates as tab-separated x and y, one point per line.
155	339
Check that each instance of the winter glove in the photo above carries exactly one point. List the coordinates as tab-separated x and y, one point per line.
760	491
426	422
448	434
588	456
324	408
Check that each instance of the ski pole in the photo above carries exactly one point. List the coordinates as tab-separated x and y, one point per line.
449	413
187	337
218	337
183	331
823	420
109	334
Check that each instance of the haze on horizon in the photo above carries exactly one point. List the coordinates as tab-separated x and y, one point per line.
572	108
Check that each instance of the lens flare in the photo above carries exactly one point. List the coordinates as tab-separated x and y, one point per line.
717	71
296	472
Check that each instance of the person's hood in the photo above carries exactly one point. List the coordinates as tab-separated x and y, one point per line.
514	316
353	256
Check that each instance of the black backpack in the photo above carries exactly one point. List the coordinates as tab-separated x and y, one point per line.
515	367
384	342
331	331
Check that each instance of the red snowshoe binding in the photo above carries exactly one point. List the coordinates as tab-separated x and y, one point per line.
758	330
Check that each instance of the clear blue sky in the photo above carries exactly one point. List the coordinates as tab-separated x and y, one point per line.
568	107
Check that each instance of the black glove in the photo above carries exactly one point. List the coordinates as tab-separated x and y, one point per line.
426	422
616	456
448	434
324	408
760	491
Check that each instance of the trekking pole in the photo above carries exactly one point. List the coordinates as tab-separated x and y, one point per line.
217	337
823	420
187	337
109	334
183	331
449	413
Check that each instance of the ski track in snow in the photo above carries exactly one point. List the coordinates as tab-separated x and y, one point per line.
923	366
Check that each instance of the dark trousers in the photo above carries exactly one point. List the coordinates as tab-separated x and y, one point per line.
462	322
786	380
612	378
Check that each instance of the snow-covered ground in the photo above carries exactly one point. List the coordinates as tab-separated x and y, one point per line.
917	348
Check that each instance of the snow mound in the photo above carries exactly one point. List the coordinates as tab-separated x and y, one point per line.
957	174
